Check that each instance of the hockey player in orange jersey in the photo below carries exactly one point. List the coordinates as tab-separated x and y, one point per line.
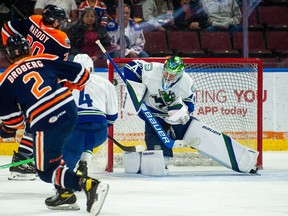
51	111
42	32
44	36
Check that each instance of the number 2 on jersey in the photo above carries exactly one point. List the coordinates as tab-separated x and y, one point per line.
36	91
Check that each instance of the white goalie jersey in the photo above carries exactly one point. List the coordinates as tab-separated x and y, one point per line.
159	99
97	102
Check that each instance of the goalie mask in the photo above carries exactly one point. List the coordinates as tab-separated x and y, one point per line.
85	60
172	71
53	13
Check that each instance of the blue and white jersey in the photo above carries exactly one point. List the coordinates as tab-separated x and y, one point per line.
156	97
134	37
97	102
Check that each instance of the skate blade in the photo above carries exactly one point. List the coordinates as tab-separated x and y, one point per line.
102	192
65	207
15	176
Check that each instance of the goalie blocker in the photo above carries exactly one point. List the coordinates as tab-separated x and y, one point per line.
220	147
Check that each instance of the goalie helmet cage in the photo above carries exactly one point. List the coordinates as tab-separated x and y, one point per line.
228	95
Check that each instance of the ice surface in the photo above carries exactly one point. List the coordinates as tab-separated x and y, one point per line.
186	191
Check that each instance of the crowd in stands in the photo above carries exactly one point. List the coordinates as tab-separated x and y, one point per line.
144	16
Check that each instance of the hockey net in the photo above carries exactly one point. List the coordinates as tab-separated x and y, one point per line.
228	98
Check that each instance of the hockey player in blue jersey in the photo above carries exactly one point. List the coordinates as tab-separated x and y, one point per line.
29	90
44	36
97	110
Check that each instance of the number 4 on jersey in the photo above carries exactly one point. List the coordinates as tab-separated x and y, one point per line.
85	99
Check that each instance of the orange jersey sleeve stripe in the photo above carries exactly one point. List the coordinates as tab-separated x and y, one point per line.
84	78
15	121
4	36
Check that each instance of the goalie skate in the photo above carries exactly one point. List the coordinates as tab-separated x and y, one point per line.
96	193
62	200
23	172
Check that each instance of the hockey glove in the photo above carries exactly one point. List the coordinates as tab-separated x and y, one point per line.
6	132
178	113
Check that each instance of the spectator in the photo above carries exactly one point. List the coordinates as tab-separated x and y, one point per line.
113	4
98	6
84	33
154	16
134	36
223	15
69	6
190	16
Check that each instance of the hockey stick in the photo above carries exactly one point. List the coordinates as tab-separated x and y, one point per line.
16	163
137	148
144	109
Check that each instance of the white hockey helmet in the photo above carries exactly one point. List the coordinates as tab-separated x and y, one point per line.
85	60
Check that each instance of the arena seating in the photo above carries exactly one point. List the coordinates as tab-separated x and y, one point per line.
256	44
156	44
185	44
218	44
274	17
268	35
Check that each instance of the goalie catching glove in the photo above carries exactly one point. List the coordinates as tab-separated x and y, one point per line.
6	132
177	113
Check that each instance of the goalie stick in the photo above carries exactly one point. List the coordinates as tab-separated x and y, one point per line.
166	140
16	163
137	148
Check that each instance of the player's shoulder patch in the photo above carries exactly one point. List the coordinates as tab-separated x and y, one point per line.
60	36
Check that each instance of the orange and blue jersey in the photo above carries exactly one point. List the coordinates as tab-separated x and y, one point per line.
99	8
42	39
29	89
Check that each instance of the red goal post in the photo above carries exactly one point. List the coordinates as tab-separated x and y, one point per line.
228	97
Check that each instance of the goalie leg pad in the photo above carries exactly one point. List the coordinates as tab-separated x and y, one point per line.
153	163
221	148
132	162
248	160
